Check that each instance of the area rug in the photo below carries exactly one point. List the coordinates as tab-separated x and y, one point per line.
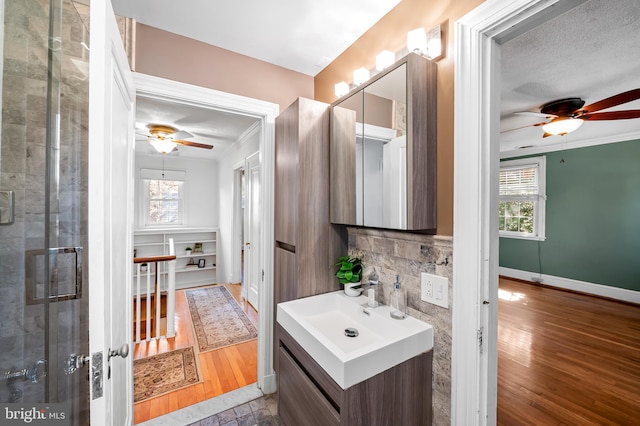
217	318
159	374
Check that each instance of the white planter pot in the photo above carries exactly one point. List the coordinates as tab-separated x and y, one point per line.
188	252
353	289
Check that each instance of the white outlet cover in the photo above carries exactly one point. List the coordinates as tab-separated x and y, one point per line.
439	289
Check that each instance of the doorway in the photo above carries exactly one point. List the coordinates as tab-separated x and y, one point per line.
476	167
263	133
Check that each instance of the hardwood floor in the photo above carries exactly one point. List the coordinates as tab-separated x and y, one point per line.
223	370
566	358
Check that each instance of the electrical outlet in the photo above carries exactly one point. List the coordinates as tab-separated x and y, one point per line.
427	287
434	289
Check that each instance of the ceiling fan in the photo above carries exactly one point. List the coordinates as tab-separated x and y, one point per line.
566	115
164	138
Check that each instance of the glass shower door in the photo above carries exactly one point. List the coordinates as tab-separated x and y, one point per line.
43	214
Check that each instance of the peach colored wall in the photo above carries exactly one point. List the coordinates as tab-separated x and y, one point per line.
390	33
167	55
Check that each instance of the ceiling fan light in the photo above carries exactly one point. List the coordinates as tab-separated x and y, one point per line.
163	146
562	126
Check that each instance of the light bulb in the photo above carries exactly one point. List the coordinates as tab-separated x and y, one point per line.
163	146
341	89
360	76
384	59
562	126
417	41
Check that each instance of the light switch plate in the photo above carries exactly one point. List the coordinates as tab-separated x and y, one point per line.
435	289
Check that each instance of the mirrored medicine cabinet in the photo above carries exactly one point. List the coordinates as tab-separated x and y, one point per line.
383	150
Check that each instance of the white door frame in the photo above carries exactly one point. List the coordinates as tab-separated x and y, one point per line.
110	218
475	210
173	91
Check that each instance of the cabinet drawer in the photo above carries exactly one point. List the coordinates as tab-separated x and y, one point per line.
300	402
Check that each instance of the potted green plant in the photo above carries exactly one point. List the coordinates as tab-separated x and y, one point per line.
349	274
188	251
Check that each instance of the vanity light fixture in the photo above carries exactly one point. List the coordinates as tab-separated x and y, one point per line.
384	60
561	126
427	44
163	146
434	43
417	41
360	76
341	89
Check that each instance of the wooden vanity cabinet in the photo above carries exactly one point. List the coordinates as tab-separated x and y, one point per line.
307	395
307	245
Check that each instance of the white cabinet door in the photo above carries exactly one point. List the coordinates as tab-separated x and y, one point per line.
111	137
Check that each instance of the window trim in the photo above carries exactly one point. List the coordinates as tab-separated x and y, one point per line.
147	175
539	219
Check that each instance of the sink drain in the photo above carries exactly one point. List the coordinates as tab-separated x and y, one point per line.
351	332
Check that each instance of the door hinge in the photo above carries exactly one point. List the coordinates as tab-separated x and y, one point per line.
480	337
263	275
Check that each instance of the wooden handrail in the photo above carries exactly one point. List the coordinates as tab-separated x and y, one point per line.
153	259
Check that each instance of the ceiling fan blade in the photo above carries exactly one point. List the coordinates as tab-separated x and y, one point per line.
618	99
182	134
193	144
535	114
524	127
613	115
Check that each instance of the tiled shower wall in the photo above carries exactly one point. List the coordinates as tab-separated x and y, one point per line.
407	255
23	169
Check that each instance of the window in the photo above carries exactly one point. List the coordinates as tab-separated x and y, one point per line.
522	198
163	201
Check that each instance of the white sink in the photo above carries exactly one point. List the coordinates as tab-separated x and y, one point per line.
318	324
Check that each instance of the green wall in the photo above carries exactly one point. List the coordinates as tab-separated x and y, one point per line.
592	218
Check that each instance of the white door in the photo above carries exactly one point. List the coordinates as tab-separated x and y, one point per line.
252	270
111	136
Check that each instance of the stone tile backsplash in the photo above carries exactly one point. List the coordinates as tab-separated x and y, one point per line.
407	255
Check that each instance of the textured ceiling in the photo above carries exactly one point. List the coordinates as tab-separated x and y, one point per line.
591	52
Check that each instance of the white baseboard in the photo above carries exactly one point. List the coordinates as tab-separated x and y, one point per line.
568	284
269	384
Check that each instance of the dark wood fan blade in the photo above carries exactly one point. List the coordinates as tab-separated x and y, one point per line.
620	98
193	144
613	115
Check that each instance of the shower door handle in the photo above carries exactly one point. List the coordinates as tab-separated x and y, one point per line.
7	207
34	271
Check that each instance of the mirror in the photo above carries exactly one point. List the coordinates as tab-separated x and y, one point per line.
382	159
369	131
381	149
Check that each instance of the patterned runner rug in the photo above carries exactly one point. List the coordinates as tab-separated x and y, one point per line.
217	318
159	374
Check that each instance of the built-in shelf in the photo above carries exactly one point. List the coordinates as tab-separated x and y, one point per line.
154	242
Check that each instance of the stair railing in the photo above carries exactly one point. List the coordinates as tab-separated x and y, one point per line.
169	273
